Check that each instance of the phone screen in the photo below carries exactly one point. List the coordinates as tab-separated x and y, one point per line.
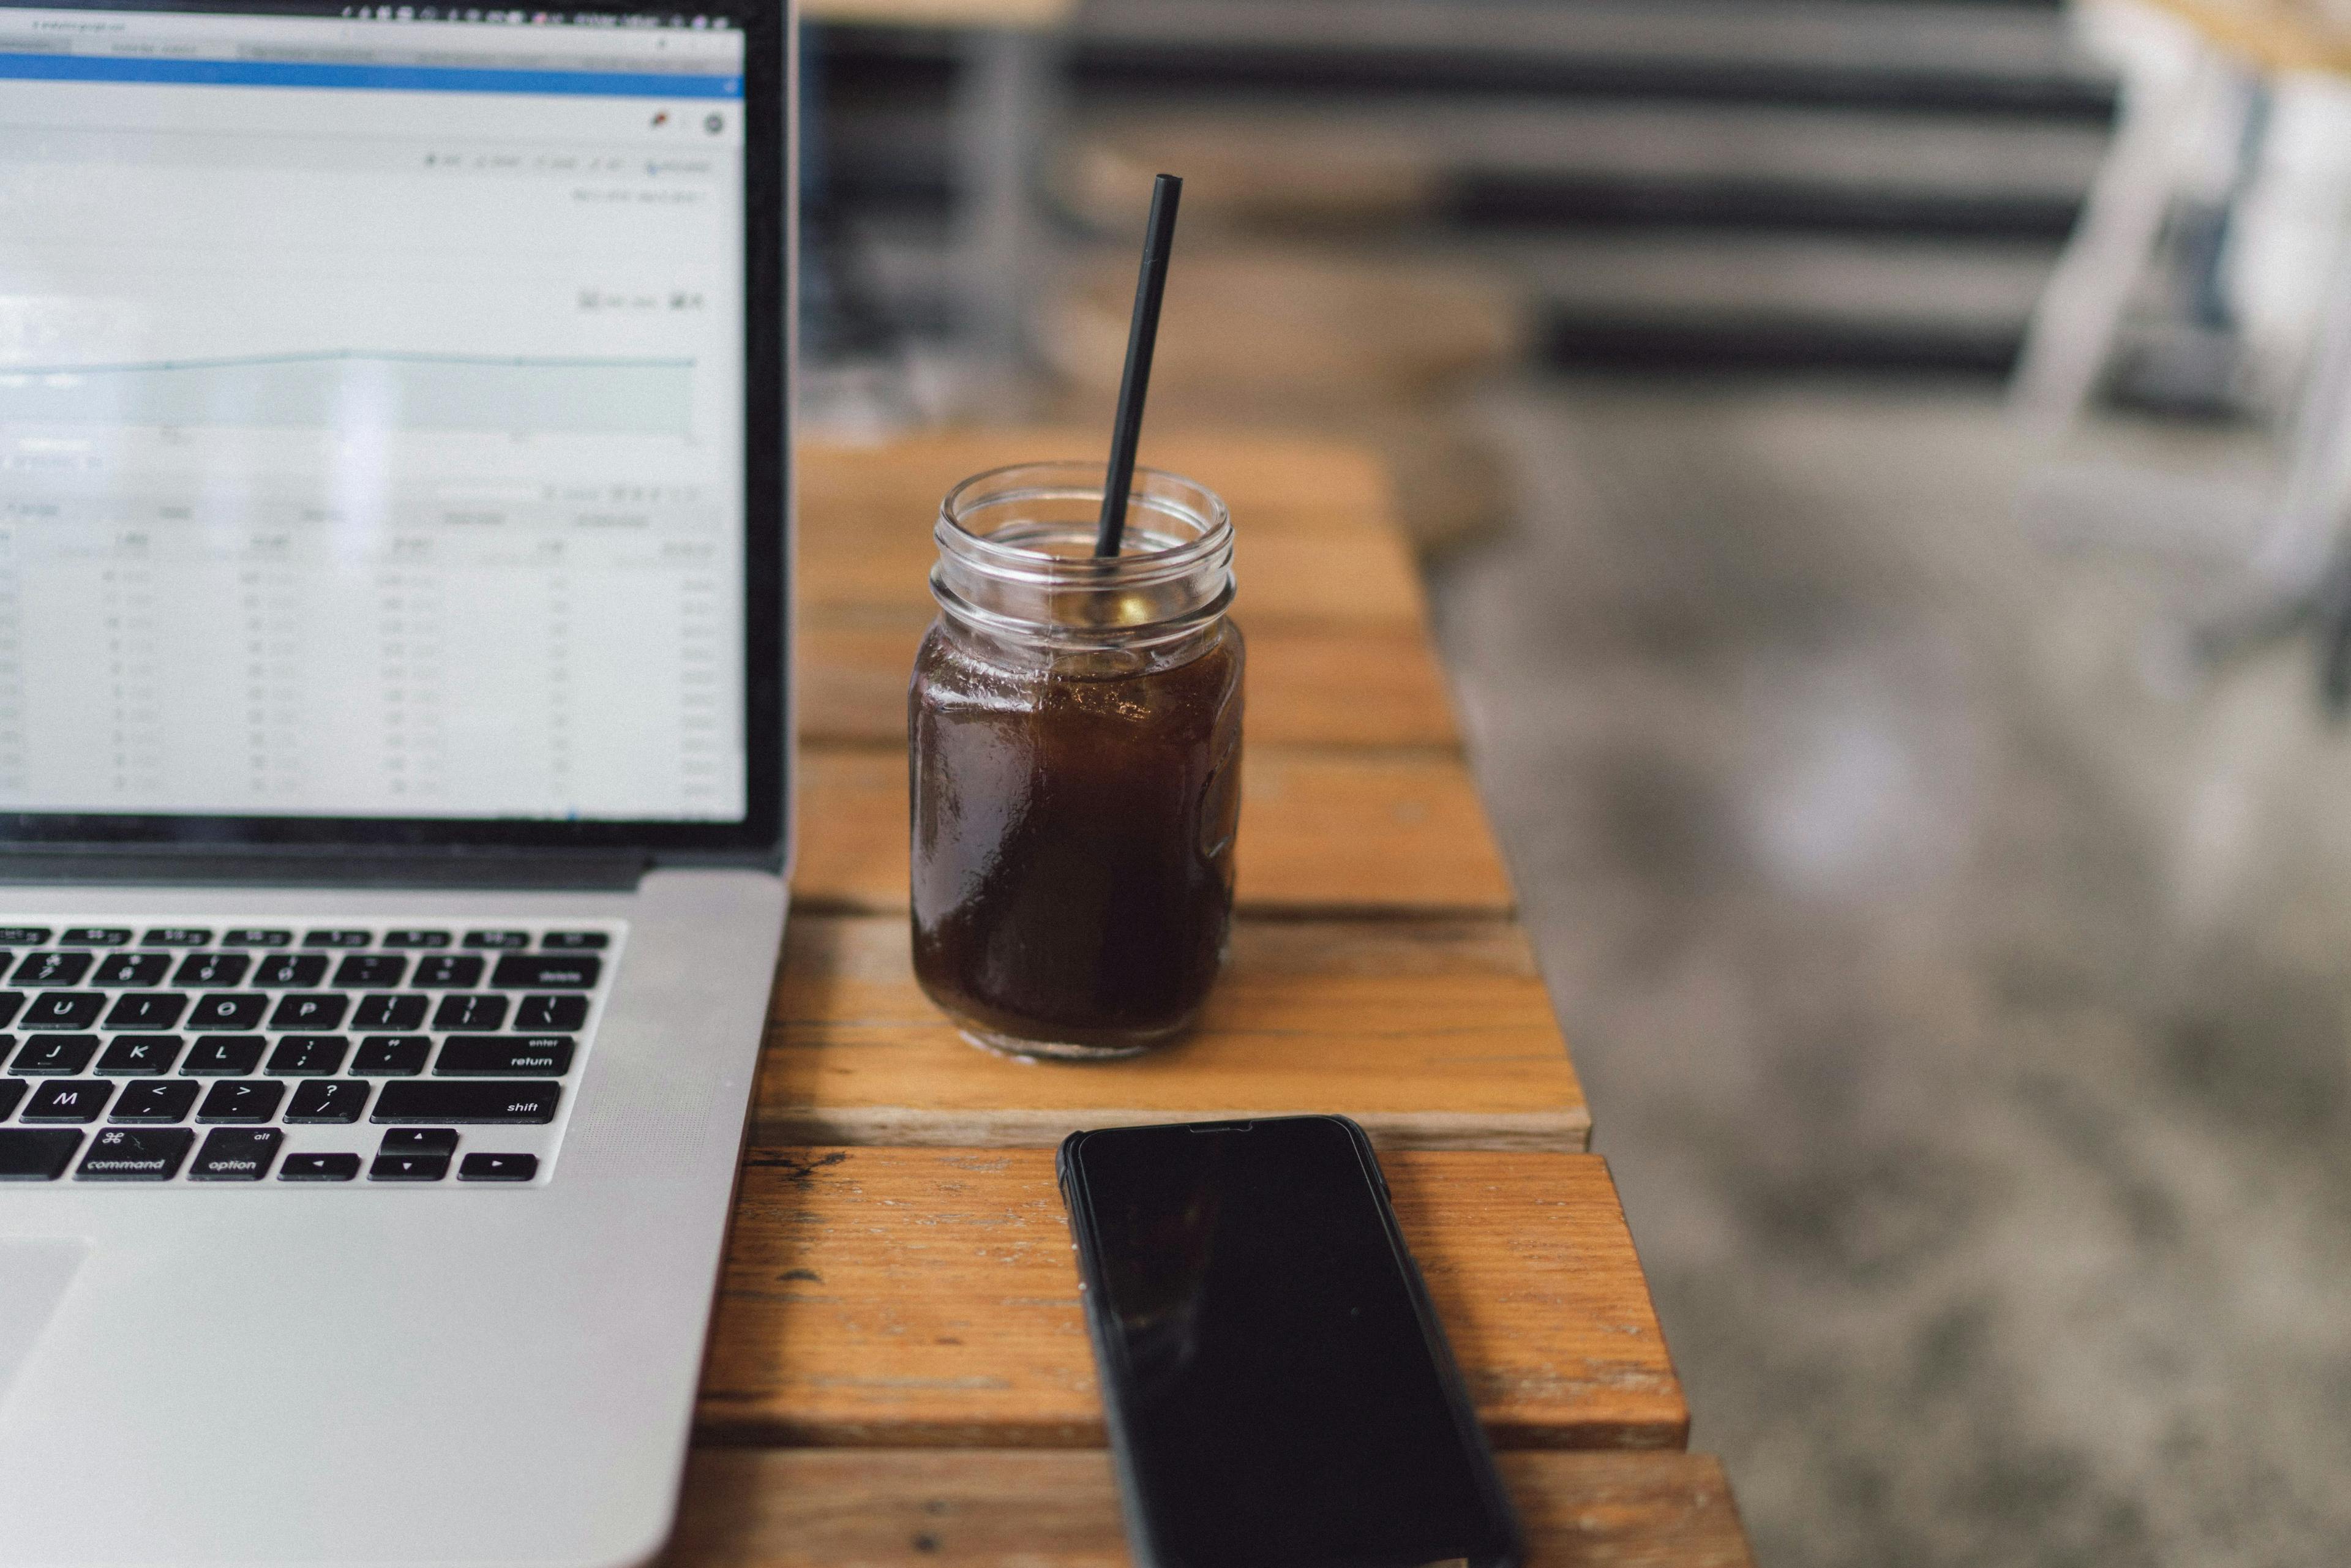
1277	1399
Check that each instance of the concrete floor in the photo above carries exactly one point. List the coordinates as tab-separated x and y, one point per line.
1964	1016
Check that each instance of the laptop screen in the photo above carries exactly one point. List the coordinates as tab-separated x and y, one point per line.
372	414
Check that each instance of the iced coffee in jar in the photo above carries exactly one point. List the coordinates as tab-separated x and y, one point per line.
1074	735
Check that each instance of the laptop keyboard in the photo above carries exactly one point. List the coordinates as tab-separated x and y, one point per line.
361	1054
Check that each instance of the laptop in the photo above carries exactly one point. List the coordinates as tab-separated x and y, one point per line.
393	790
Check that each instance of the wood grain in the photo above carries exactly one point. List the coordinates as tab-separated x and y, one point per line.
2281	35
1279	578
1432	1034
900	1296
817	1508
1296	484
1319	832
1249	320
1316	538
1308	685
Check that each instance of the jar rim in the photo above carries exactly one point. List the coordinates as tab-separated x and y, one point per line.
1071	478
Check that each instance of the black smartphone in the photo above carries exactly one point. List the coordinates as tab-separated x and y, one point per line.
1278	1391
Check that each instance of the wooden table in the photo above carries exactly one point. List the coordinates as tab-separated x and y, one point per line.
898	1371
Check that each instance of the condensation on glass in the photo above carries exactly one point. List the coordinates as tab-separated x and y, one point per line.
1074	741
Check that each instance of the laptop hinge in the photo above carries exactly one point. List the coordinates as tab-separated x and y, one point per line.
339	866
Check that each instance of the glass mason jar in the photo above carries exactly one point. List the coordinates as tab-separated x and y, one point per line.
1074	742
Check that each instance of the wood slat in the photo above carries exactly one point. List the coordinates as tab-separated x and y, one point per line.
1254	322
1432	1034
2277	35
1297	483
881	563
1308	685
900	1296
818	1508
1319	832
1317	539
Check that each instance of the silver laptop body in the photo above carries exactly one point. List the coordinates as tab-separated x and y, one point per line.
394	749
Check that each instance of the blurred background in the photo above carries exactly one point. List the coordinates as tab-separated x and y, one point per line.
1879	466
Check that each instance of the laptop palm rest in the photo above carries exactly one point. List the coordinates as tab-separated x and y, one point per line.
33	1280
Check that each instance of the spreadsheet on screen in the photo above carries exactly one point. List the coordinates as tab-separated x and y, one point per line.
370	396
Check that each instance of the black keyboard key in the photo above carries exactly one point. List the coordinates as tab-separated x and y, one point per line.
551	1012
416	938
151	1099
409	1168
146	1010
290	971
314	1010
447	972
69	1100
94	936
472	1010
505	1055
132	969
11	1090
546	971
212	969
574	941
127	1154
229	1009
319	1167
63	1009
389	1012
419	1141
50	969
225	1056
241	1100
55	1055
256	937
503	939
327	1099
365	971
27	1155
9	1002
337	939
467	1102
8	1044
392	1056
23	935
237	1154
309	1056
498	1168
177	936
140	1054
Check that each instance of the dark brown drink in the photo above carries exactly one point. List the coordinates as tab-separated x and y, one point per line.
1074	755
1074	830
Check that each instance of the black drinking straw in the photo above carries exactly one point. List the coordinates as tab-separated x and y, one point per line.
1158	238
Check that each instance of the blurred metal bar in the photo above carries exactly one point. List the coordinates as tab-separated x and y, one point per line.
1007	84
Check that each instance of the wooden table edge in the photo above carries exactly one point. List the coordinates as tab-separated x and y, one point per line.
910	1126
881	1508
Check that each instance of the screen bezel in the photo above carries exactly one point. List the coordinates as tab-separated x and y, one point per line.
767	446
1135	1489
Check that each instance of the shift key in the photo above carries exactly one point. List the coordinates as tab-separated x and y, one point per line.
461	1101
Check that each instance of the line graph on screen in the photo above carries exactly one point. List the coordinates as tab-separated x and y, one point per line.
363	389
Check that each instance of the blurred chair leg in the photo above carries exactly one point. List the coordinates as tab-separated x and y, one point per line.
2306	526
1003	98
2333	612
2302	569
2074	324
